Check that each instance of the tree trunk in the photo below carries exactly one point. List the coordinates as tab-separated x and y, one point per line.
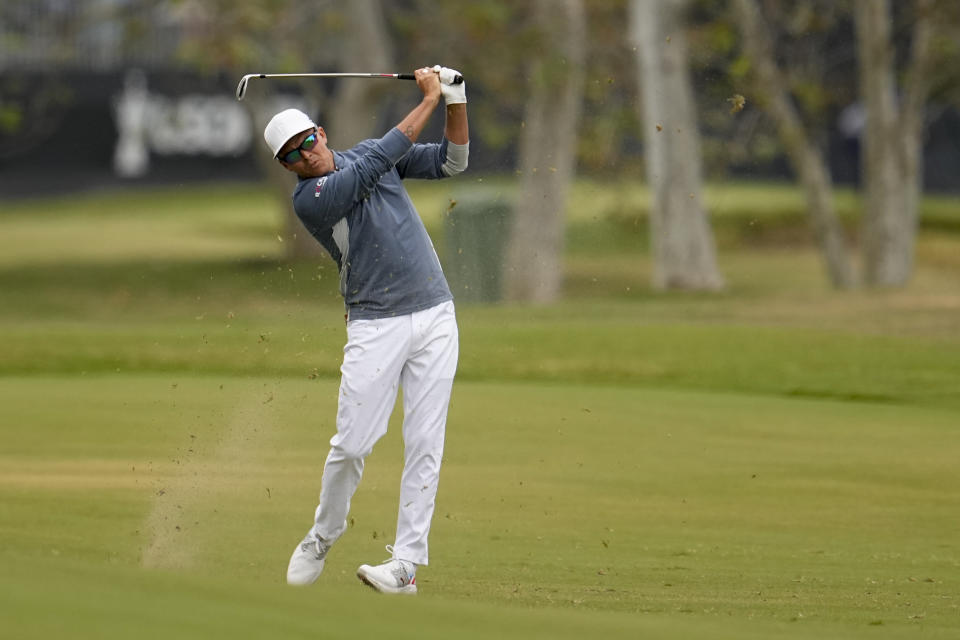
356	108
806	159
534	269
682	240
912	120
891	147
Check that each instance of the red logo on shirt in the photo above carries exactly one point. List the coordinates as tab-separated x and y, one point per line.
319	187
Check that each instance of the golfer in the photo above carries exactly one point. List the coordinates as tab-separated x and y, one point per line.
401	326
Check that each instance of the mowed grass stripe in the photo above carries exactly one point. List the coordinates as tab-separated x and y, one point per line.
725	357
61	598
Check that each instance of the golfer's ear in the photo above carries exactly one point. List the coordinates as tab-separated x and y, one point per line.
322	133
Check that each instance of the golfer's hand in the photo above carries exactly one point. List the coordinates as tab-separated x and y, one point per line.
429	82
452	93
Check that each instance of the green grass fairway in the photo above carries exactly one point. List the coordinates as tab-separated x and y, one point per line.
175	498
779	460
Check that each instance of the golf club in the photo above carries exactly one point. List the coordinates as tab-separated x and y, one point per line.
242	87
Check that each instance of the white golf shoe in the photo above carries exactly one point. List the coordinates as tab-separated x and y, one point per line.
393	576
306	563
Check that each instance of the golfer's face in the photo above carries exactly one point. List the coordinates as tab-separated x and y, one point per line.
305	153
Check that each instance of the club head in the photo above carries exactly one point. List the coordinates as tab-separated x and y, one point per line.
242	87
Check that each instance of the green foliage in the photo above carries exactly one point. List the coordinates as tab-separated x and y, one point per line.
27	112
11	117
739	68
495	74
811	96
276	35
944	77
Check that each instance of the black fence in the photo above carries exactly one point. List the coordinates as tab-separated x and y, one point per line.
63	132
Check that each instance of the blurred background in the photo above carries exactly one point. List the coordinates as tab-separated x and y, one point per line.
857	100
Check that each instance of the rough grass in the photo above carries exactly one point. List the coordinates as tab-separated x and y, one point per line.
777	460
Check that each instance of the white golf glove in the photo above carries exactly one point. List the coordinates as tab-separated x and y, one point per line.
452	93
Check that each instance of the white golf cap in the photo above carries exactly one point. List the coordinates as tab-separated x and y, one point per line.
284	126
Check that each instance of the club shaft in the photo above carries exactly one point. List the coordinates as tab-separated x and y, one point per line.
242	87
398	76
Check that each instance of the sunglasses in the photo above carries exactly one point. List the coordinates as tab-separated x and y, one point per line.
292	157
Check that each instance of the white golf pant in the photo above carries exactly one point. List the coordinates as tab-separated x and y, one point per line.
419	353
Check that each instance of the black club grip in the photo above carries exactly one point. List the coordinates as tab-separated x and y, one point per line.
458	79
